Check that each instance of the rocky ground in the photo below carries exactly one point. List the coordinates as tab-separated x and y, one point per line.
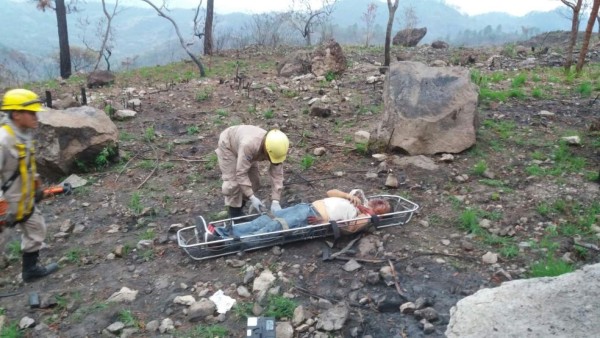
521	196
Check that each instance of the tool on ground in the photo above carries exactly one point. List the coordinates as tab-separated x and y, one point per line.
261	327
64	188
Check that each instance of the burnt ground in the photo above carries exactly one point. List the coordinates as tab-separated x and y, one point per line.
537	193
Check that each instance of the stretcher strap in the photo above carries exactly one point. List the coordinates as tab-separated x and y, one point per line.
375	220
283	222
336	229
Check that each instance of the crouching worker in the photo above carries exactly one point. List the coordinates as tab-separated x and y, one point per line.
337	206
239	150
19	180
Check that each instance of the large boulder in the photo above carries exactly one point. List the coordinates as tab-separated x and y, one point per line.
409	37
297	63
65	137
427	110
564	306
100	78
329	58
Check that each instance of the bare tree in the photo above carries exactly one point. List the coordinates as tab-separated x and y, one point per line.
304	17
161	12
208	28
82	59
199	22
266	29
105	51
23	62
63	35
587	36
369	18
388	32
575	8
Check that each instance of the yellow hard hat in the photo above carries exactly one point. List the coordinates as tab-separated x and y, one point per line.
21	99
277	145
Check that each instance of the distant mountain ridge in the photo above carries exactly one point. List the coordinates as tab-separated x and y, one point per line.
141	32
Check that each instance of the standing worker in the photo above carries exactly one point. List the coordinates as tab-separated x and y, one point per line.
19	179
239	151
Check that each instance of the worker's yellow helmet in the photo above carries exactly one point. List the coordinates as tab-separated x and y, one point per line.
21	99
277	145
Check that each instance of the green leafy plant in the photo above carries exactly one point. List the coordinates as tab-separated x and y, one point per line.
148	235
135	203
480	168
14	250
362	148
469	221
11	331
509	251
585	89
518	81
269	114
330	76
212	162
192	130
243	310
102	159
280	307
125	136
307	161
149	134
126	317
73	255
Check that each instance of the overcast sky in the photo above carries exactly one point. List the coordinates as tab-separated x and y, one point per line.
471	7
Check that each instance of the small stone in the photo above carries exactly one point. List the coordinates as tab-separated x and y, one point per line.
407	308
319	151
490	258
351	265
445	242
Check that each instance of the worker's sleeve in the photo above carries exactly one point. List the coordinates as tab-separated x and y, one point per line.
244	163
2	156
276	173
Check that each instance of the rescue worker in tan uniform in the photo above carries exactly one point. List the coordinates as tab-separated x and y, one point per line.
18	178
239	150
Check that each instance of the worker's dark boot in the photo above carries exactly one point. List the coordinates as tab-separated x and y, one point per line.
235	212
32	271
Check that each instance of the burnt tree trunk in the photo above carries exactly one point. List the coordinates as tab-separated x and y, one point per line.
208	23
63	39
587	36
388	31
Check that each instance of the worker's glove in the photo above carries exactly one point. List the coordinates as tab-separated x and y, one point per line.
256	204
275	206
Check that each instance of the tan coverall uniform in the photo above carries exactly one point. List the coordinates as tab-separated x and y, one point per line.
21	194
239	151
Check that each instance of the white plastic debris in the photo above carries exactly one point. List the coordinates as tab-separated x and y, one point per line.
223	302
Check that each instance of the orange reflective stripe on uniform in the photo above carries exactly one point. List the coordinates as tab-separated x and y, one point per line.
26	200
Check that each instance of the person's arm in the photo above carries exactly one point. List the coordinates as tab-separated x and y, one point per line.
338	193
276	173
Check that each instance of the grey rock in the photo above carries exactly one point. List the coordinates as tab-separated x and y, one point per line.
201	309
284	330
334	318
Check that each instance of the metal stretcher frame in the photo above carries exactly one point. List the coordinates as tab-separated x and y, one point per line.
193	239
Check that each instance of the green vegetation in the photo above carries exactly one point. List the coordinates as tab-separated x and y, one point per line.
550	267
362	148
14	250
135	203
269	114
148	235
11	331
102	159
307	161
204	94
202	331
212	161
192	130
280	307
73	255
126	317
243	310
480	168
125	136
149	134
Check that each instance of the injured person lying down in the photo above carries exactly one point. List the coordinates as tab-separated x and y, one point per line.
337	206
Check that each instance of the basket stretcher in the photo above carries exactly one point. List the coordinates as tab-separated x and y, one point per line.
194	239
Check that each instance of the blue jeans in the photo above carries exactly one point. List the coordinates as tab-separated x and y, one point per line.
295	217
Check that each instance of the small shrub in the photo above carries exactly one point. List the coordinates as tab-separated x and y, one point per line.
102	159
480	168
537	93
243	310
149	134
14	250
307	161
469	221
509	251
127	318
269	114
362	148
204	94
280	307
148	235
135	203
516	93
191	130
330	76
11	331
585	89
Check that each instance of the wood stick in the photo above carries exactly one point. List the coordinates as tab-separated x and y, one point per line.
398	288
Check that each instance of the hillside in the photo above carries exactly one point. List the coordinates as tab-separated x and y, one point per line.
520	203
